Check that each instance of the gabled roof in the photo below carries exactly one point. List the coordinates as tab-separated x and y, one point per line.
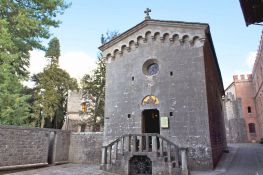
152	22
182	24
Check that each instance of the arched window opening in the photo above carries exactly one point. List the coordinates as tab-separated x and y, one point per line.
249	109
82	128
150	100
84	107
252	128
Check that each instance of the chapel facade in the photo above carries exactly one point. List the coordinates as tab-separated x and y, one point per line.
163	99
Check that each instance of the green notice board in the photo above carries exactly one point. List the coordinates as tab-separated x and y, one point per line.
164	122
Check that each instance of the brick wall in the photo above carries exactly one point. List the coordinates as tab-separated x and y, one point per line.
257	75
245	90
85	147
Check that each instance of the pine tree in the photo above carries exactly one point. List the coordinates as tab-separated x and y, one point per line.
22	26
13	105
94	85
51	92
53	51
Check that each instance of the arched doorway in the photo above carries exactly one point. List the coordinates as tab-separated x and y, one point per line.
150	121
150	115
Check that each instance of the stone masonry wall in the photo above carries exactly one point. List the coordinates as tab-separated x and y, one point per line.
215	106
62	144
234	120
179	85
85	147
20	146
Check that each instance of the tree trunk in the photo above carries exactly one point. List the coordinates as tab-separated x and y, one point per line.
42	121
95	111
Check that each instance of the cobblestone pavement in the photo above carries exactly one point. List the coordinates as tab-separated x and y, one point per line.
243	159
247	161
66	169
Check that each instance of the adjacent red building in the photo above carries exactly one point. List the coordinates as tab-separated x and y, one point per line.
249	90
257	78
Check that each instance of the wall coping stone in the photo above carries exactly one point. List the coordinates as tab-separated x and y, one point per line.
31	128
87	133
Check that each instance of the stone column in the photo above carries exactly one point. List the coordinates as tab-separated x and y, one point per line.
154	144
104	156
122	145
55	147
161	147
134	143
140	143
147	143
184	161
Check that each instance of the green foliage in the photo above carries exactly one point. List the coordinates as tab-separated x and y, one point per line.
27	22
14	109
53	51
51	92
13	105
94	85
23	23
108	36
261	141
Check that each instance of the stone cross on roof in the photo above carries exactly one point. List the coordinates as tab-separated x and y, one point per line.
147	11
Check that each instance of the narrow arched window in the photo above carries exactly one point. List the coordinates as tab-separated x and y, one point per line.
84	107
249	109
251	128
82	128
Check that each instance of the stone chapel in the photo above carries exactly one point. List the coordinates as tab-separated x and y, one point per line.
163	108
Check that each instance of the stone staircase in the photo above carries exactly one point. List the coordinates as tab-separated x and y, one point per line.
143	154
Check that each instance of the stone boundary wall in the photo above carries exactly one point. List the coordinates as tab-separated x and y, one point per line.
85	148
28	147
62	143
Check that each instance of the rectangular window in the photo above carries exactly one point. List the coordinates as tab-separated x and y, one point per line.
82	128
84	107
251	128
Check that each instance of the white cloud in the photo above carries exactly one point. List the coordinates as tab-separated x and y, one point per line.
227	81
37	61
249	63
76	63
239	72
251	59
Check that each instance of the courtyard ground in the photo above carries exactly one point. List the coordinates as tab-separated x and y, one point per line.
242	159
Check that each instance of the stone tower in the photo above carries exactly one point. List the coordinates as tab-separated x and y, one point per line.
242	89
163	78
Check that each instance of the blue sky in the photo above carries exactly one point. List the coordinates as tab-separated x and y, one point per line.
85	21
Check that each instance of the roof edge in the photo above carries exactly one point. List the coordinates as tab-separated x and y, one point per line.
145	23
